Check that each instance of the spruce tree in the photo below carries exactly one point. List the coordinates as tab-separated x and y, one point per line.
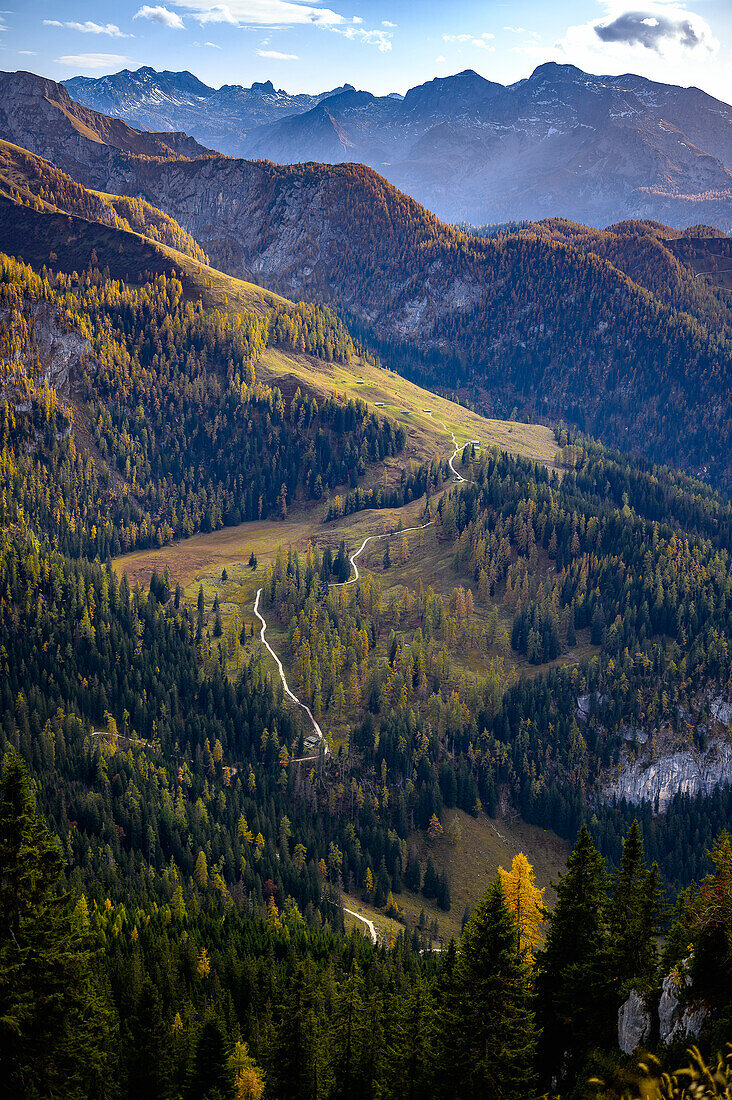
634	915
497	1041
55	1028
408	1070
574	987
211	1077
445	1046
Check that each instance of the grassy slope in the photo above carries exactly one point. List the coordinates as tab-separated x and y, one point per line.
485	845
191	559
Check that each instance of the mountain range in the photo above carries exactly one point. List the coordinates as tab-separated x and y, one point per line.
612	330
596	149
221	118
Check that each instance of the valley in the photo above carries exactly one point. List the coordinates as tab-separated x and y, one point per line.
365	591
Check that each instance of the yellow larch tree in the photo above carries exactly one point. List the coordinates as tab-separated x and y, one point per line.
525	900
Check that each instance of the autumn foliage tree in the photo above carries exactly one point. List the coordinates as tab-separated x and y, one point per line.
525	901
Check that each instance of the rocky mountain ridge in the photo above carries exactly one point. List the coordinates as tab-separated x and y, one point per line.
221	118
596	149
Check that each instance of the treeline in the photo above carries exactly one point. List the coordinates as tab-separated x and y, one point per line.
175	434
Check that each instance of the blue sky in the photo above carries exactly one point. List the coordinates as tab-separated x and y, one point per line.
380	45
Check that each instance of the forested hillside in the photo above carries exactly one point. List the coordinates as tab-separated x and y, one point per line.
531	635
165	422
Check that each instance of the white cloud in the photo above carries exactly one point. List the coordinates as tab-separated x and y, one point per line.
386	23
380	39
275	55
514	30
688	57
440	60
92	60
160	15
89	27
27	53
480	42
98	28
212	45
260	13
278	13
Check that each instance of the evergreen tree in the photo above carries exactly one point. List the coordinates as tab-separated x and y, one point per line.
634	918
445	1049
211	1077
407	1063
348	1037
147	1043
431	883
55	1029
296	1067
574	985
497	1027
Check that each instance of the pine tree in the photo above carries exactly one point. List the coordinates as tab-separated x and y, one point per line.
574	986
497	1026
54	1026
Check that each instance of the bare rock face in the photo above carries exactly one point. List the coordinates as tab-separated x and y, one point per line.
54	355
675	1019
722	711
686	772
634	1023
60	351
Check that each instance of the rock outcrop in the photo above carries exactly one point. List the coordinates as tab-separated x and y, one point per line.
683	772
677	1019
634	1023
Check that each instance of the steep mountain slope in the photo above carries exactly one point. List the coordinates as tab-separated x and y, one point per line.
514	322
29	181
221	118
131	410
684	269
596	149
32	108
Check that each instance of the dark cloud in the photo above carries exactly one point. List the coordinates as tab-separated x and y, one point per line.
640	28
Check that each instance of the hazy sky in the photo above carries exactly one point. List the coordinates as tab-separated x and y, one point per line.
380	45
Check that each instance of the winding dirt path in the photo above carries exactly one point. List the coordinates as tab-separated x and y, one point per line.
285	685
340	584
369	924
